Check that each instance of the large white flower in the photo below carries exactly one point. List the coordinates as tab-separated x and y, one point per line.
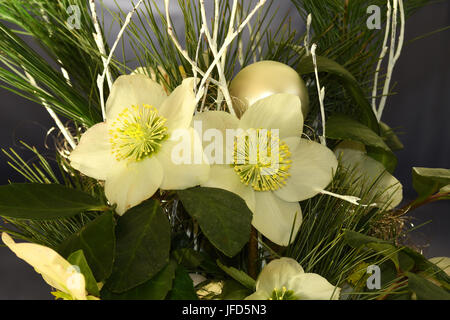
271	186
133	149
384	187
285	279
55	270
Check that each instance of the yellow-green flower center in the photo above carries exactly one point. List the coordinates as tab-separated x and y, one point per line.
261	160
137	133
282	294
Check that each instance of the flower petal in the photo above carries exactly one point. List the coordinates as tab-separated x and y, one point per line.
179	107
182	173
258	295
274	217
311	286
280	111
224	177
133	90
93	156
213	126
130	183
277	275
313	166
55	270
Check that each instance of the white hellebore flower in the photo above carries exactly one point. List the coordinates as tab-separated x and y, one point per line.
384	187
273	185
133	150
55	270
285	279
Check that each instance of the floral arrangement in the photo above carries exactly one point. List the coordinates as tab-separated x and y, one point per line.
243	161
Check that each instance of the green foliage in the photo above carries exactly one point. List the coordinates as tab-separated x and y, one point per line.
362	110
156	288
343	128
142	246
223	217
320	246
73	49
97	241
78	259
425	289
154	50
428	181
44	201
183	286
239	276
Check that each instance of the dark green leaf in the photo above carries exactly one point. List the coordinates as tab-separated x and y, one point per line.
188	257
349	82
183	287
428	181
341	127
78	259
97	240
154	289
37	201
223	217
239	276
233	290
143	244
425	289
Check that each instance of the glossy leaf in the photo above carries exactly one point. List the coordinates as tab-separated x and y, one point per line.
97	240
143	243
37	201
223	217
154	289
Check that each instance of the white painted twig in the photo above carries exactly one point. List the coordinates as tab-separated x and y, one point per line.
382	55
177	44
394	51
228	40
308	31
52	114
223	87
101	77
321	93
99	40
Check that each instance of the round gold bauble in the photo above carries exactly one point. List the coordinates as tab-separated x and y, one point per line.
262	79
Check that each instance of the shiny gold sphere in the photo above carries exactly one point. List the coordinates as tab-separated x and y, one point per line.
262	79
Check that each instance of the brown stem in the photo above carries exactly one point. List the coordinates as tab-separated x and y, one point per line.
253	254
412	205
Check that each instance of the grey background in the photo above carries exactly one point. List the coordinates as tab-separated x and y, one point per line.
421	110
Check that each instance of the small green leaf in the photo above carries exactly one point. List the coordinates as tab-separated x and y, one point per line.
143	244
233	290
349	83
97	241
223	217
183	286
78	259
390	137
239	276
37	201
341	127
428	181
154	289
425	289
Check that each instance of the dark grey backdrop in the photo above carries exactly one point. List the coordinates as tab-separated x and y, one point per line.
421	110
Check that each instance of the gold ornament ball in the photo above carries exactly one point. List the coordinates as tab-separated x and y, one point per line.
262	79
